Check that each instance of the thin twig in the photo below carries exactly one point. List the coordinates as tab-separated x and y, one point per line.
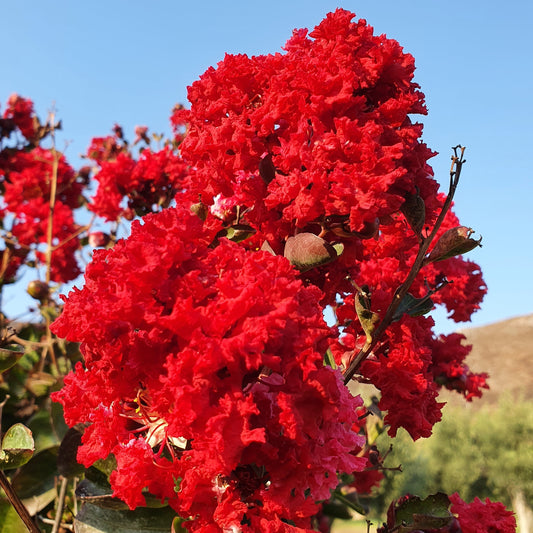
28	344
50	522
60	503
53	190
401	291
80	230
49	237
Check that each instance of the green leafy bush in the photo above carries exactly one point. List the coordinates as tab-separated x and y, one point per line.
486	453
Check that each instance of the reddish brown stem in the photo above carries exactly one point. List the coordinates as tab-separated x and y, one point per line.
401	291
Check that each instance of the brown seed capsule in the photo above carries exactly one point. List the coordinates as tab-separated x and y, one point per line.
98	239
199	210
455	241
38	290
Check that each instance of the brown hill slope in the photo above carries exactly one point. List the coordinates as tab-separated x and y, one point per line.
505	351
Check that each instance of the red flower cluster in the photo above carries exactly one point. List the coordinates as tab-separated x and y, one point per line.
479	517
476	517
320	139
203	358
323	130
213	359
26	174
129	187
19	115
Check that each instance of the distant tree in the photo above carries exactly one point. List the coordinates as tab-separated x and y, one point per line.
485	453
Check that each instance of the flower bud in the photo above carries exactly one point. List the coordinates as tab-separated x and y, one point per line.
455	241
141	134
98	239
38	290
118	131
307	250
267	170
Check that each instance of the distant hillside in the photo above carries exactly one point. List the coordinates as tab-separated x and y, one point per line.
505	351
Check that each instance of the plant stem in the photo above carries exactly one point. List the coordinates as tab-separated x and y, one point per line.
401	291
60	503
53	191
50	232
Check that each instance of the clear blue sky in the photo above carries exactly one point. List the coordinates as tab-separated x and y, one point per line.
130	61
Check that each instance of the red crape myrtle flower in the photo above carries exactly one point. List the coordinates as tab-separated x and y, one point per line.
322	139
26	179
204	377
479	517
20	111
127	185
323	130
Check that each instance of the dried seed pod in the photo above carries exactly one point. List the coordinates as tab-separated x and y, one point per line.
98	239
455	241
200	210
38	290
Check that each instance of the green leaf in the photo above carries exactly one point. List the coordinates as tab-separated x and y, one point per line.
414	210
367	318
100	494
67	463
374	428
58	420
39	383
17	447
329	360
239	232
93	519
431	513
348	502
41	426
413	306
35	482
339	248
10	521
107	465
10	355
178	527
336	510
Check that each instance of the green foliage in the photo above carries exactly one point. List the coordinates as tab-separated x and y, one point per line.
484	453
9	356
10	522
94	519
17	447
